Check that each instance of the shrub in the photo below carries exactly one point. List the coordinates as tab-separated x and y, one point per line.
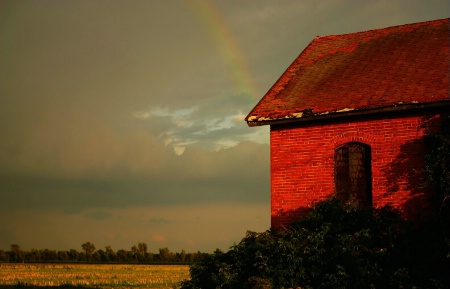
437	166
339	245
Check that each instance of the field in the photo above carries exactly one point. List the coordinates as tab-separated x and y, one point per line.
93	276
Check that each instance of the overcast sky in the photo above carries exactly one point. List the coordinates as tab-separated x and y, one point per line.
123	121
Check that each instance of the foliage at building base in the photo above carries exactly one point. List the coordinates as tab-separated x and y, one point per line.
437	165
338	245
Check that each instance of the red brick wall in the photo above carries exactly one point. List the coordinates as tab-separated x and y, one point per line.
302	163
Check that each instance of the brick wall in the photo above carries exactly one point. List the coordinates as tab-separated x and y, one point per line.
302	163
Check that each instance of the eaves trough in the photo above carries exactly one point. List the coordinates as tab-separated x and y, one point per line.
308	115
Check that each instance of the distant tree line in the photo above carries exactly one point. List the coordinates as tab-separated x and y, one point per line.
89	253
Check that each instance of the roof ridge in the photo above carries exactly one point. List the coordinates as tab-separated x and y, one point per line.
416	24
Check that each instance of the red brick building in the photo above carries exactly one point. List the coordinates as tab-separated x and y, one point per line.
348	115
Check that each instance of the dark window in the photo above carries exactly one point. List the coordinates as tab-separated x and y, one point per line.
352	173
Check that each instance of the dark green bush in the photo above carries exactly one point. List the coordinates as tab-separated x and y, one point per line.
336	246
437	166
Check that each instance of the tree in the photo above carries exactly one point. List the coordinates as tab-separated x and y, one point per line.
136	253
49	255
16	253
4	256
164	254
88	249
110	254
63	256
97	257
142	252
183	256
73	255
122	255
35	255
142	247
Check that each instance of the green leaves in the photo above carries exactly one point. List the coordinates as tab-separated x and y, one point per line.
339	245
437	162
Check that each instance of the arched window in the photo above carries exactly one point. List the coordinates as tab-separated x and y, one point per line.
353	173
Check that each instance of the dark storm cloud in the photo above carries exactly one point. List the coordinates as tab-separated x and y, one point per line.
237	174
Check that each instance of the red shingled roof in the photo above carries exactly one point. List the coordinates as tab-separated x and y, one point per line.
394	66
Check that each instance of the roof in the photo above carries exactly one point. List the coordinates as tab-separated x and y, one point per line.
362	72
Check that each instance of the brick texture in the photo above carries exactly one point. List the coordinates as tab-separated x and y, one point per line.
302	163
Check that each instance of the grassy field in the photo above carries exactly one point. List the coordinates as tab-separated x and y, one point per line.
94	276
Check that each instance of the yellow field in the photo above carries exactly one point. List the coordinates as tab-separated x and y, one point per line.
99	276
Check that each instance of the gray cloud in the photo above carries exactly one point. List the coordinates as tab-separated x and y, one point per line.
238	173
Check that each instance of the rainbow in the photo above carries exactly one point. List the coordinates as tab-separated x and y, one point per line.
222	35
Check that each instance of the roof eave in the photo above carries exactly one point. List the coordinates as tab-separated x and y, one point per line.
309	117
